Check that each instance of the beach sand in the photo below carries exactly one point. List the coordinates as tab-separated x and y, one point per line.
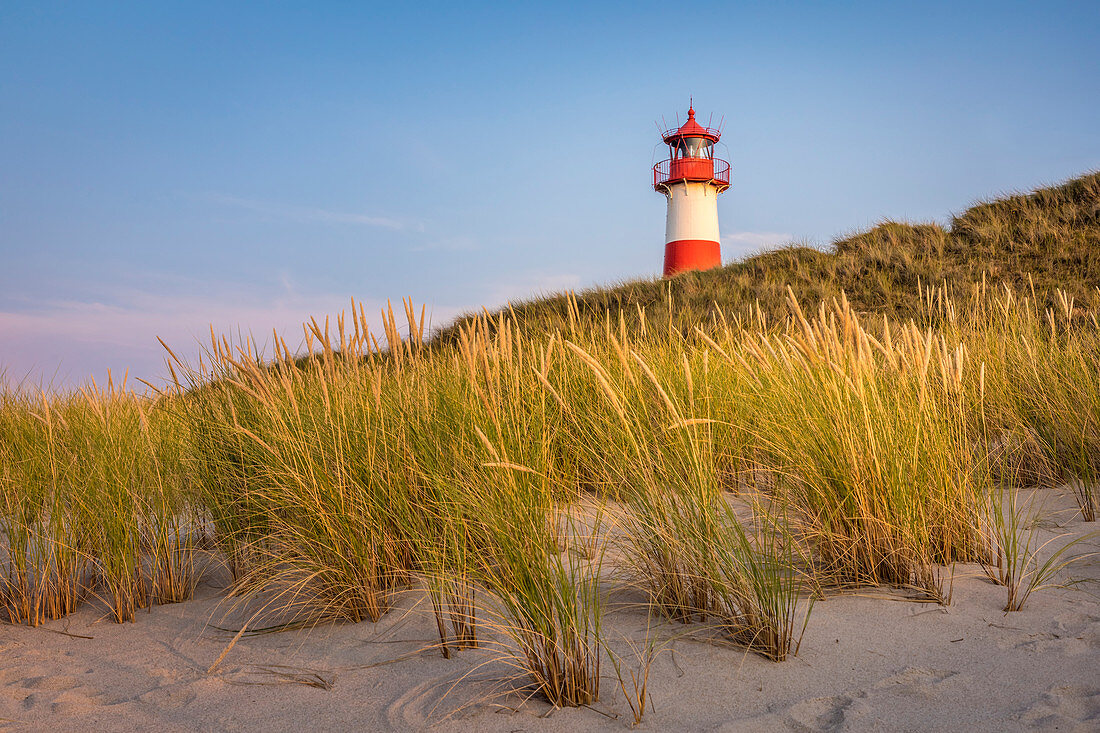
871	661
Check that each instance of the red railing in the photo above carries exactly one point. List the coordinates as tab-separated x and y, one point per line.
691	169
711	132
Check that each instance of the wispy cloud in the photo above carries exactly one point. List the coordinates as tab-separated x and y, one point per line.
524	286
69	340
749	241
291	212
447	244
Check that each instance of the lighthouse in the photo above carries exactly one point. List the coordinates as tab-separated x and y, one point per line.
691	179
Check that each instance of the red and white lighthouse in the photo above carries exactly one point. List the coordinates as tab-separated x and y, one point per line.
691	178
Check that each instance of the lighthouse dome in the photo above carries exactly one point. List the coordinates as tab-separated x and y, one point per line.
692	129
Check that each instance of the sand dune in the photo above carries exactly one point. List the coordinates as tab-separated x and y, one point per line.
868	662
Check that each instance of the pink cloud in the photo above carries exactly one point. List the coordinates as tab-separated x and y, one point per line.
65	342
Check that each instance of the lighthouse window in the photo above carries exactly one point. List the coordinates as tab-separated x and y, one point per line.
693	147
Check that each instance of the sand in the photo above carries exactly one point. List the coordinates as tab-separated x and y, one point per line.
867	662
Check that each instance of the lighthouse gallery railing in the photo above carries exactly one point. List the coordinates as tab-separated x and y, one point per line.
692	169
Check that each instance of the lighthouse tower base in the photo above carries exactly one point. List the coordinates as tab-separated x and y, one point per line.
691	254
691	228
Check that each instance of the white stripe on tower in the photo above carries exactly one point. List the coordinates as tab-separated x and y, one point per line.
692	212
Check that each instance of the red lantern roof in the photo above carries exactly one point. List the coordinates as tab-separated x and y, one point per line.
691	128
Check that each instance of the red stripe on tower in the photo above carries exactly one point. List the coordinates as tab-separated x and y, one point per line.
691	254
691	179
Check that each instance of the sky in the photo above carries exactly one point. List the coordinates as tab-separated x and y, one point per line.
166	167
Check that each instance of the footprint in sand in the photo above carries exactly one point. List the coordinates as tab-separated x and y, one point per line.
825	713
172	697
1069	636
1068	647
49	682
62	694
915	681
1065	707
74	702
816	715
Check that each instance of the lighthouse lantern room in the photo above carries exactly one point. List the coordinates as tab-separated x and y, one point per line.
691	179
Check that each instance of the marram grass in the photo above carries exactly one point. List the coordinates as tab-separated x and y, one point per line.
744	465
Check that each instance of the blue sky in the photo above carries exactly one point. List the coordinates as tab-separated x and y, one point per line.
165	166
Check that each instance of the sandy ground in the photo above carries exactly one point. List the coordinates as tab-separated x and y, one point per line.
867	662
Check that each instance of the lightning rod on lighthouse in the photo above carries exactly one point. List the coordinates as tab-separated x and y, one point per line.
691	179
